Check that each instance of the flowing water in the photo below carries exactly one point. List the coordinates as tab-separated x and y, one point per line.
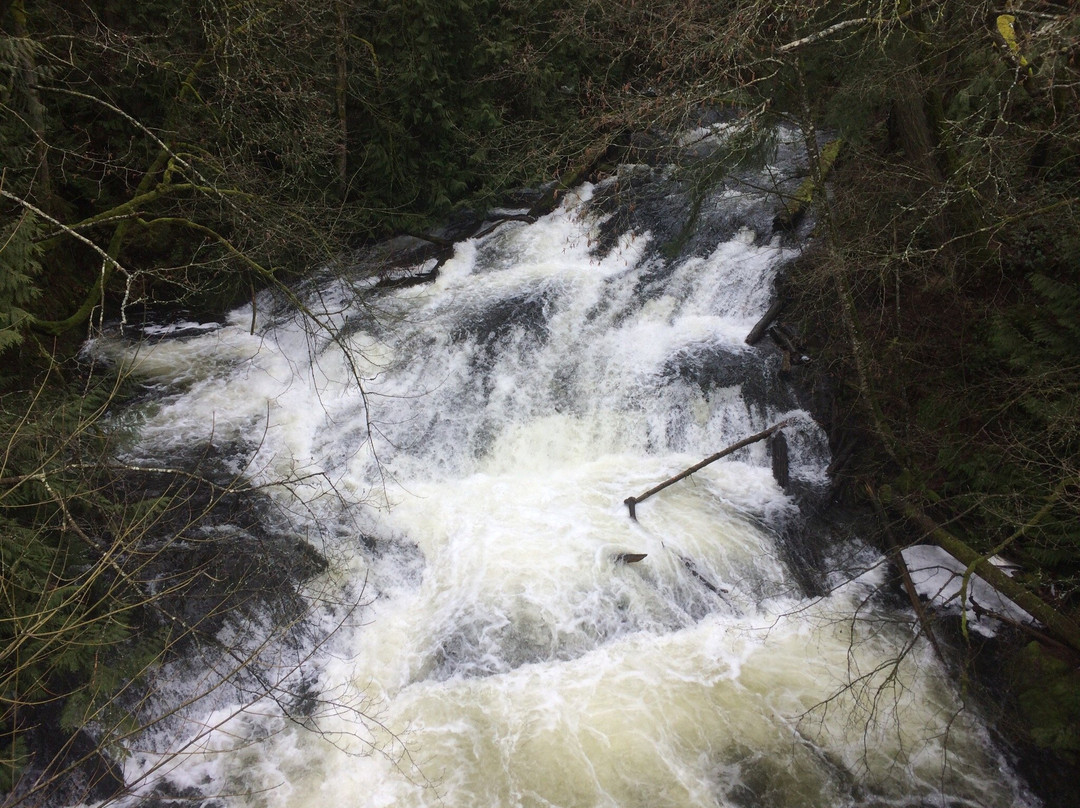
477	639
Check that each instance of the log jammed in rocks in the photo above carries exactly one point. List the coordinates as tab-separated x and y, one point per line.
758	331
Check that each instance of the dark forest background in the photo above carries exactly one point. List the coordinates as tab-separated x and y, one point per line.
163	155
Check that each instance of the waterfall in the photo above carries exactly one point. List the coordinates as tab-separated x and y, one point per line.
459	452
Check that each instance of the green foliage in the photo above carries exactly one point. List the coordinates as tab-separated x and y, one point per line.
66	611
451	93
1040	342
12	759
19	267
1049	699
220	147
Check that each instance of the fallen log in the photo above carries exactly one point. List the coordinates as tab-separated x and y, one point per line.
1056	623
571	179
905	576
631	502
409	279
758	331
796	206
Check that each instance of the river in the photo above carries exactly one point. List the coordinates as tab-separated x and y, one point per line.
459	451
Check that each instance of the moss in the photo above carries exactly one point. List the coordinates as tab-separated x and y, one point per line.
799	203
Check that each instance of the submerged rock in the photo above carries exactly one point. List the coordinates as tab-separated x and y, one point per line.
217	548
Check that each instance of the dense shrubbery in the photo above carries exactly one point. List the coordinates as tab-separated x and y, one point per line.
194	152
953	227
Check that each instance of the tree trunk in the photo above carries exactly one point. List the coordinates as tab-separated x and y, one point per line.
1057	624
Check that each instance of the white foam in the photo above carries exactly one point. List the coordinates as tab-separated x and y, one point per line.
505	654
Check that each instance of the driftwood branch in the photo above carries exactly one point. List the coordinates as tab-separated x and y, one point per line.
836	28
631	502
827	32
